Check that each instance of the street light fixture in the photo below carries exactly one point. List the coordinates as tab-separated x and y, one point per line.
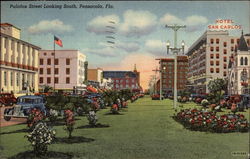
175	50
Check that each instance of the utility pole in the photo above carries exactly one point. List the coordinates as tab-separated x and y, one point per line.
175	50
157	70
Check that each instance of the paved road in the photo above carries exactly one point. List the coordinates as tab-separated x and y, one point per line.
13	121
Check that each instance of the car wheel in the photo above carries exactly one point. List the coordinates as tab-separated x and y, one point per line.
7	118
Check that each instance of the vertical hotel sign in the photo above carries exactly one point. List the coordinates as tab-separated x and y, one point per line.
224	24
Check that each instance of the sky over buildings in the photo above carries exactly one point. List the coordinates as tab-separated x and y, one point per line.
128	33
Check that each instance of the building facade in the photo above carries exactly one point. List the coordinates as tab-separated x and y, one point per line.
95	76
122	79
167	74
209	58
239	69
62	69
18	62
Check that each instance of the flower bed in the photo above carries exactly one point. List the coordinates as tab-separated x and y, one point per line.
203	120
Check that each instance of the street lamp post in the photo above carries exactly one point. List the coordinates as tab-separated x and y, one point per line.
175	51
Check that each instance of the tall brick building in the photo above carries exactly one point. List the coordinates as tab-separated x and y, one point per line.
167	67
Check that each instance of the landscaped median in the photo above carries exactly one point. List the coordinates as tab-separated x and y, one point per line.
205	120
144	130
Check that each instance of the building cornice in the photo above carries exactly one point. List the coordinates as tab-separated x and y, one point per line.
34	46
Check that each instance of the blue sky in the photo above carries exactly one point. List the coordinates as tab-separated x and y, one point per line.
139	27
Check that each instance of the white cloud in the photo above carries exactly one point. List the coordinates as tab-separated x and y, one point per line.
196	20
193	23
170	19
128	46
156	47
99	24
137	23
103	52
46	26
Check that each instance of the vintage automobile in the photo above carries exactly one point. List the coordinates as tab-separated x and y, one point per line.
23	106
7	99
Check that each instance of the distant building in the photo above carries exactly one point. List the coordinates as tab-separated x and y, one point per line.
167	67
123	79
209	57
239	69
95	76
69	69
18	62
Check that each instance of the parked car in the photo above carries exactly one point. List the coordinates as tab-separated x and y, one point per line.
7	99
23	106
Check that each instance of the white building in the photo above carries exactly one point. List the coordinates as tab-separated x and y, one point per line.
62	71
239	69
18	62
209	58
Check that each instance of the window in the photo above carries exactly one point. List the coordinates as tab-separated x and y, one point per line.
11	78
41	62
48	80
232	41
67	80
48	71
241	61
56	71
225	59
217	48
52	54
41	71
211	41
224	73
17	79
225	66
67	61
217	56
5	78
211	63
48	61
212	70
217	41
225	44
217	63
6	43
41	80
225	51
217	70
44	53
246	61
232	48
56	61
56	79
211	56
238	40
211	48
67	71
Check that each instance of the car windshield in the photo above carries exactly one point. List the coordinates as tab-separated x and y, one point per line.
31	101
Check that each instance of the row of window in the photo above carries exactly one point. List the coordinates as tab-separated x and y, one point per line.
217	70
56	79
218	56
126	86
217	41
55	72
18	80
127	81
217	63
243	61
56	61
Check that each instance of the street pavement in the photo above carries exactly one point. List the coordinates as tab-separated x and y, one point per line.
13	121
